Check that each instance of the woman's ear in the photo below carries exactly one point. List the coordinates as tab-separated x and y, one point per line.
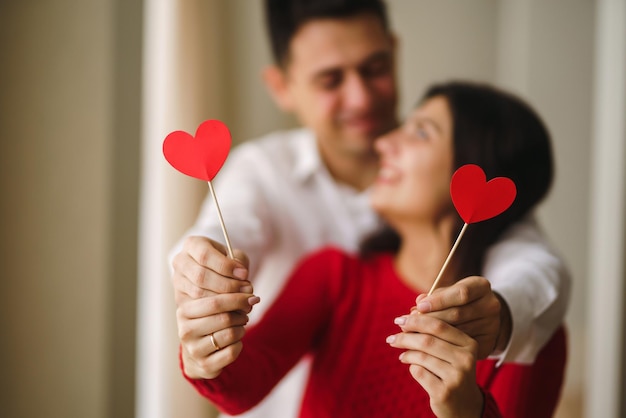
276	82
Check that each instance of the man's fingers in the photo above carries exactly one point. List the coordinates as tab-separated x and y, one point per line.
217	304
203	278
483	307
425	325
212	255
461	293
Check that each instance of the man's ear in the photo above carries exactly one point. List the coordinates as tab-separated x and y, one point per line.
276	82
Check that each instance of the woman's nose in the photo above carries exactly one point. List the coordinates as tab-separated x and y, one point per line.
386	143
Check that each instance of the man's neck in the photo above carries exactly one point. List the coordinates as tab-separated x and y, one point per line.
355	170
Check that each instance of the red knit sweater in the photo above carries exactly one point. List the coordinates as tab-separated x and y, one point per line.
339	309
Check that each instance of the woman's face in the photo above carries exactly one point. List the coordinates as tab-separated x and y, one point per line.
416	166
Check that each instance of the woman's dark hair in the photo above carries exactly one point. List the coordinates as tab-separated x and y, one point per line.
284	18
505	137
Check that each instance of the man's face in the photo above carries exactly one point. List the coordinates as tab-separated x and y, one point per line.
340	82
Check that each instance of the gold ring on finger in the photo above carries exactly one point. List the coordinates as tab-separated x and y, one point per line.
214	342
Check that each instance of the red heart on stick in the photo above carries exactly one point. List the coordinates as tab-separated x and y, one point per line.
201	156
477	199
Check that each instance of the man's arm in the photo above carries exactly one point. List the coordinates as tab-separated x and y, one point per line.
534	282
243	202
531	284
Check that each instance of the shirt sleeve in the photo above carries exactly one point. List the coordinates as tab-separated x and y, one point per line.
534	282
287	331
243	191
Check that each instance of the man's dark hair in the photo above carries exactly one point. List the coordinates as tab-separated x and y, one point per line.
285	17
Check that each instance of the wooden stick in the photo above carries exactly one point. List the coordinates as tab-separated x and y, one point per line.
219	213
445	264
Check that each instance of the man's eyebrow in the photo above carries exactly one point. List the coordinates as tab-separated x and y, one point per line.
377	56
374	57
325	72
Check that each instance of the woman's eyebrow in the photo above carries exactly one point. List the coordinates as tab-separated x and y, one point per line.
428	121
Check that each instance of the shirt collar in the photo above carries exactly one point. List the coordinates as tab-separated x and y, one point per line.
307	156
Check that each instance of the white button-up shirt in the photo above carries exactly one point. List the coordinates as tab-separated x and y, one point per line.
280	203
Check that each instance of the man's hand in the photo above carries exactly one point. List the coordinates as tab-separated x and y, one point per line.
473	308
202	269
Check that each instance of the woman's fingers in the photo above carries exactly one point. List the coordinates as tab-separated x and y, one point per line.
210	366
443	360
193	329
213	342
426	336
210	331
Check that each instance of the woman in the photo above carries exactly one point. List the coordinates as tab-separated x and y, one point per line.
347	312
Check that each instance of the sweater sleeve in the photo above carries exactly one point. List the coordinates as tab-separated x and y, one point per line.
526	390
287	331
490	407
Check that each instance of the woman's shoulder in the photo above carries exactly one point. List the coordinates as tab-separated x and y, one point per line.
339	268
329	257
335	256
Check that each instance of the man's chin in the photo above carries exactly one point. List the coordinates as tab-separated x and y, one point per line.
361	144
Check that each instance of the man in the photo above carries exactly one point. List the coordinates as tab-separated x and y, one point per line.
289	193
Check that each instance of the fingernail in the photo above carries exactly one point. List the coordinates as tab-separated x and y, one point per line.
253	300
245	289
424	307
390	339
240	273
401	320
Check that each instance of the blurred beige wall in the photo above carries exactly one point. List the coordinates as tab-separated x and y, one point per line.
69	128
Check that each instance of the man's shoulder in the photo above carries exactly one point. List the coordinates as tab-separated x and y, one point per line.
285	154
275	145
526	243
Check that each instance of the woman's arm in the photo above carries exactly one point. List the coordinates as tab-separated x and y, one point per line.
287	331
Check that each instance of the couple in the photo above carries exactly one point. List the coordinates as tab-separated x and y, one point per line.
351	315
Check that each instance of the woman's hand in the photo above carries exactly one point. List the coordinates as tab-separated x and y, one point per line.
210	331
442	360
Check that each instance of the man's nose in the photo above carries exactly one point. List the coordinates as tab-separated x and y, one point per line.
357	93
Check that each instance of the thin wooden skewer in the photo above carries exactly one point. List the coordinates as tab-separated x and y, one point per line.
445	264
219	213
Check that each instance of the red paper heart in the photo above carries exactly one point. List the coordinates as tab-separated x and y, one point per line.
477	199
201	156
